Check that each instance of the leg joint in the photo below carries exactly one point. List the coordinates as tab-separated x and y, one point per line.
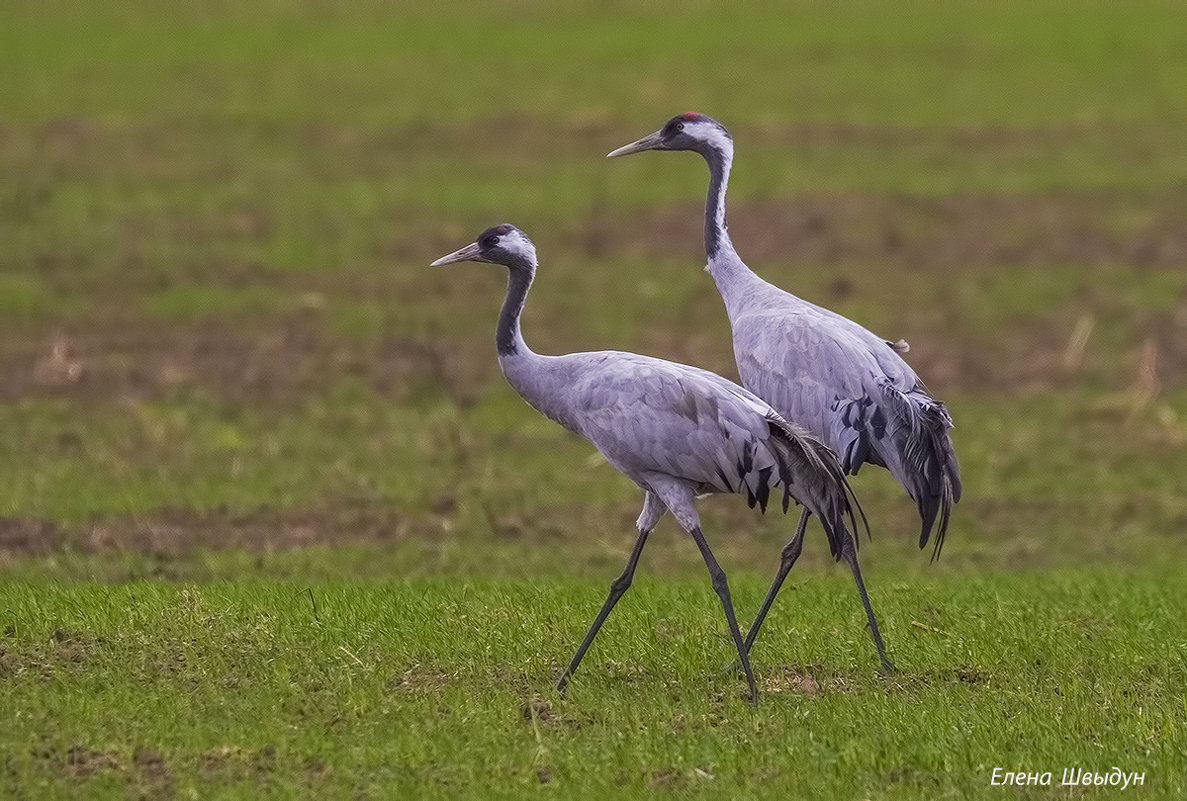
792	550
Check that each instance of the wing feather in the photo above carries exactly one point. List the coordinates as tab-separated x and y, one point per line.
648	415
847	387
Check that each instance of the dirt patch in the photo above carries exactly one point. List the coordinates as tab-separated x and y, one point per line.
66	651
421	678
173	533
280	364
946	233
970	674
28	537
236	762
155	779
78	761
537	709
170	534
808	680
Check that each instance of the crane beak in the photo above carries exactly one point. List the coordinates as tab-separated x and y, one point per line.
650	142
468	253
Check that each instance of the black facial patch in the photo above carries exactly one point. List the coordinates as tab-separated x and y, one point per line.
673	127
490	237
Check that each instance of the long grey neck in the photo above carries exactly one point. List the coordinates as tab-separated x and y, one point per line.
507	336
534	377
730	273
716	233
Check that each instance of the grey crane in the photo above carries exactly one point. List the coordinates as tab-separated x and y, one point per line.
846	385
678	432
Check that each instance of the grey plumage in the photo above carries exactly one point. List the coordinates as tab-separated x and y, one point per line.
851	388
676	431
826	372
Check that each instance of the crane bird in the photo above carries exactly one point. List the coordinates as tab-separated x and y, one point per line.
846	385
678	432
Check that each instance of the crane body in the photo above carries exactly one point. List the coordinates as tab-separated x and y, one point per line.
676	431
846	385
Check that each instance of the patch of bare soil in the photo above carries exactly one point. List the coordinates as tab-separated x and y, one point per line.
65	651
170	533
809	680
79	762
420	678
175	532
154	777
946	233
280	364
26	536
238	762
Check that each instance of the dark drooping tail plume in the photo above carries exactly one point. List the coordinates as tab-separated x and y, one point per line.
822	486
914	445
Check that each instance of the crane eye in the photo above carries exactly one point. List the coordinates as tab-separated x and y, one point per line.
490	241
679	126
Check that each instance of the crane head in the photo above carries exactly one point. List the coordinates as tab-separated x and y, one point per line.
688	131
503	244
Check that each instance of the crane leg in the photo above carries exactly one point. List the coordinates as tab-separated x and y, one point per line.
679	499
721	586
791	552
653	510
849	554
617	588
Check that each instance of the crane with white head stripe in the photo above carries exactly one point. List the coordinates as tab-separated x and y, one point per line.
676	431
846	385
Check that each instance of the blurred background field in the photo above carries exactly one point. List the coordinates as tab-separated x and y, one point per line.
223	355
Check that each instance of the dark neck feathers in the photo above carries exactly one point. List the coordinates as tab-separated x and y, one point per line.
715	227
508	337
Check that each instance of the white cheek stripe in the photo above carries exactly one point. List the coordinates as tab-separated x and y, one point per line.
515	242
708	132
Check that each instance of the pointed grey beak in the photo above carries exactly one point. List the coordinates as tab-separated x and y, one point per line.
468	253
649	142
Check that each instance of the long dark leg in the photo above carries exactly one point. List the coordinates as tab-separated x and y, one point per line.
717	575
849	554
617	588
791	552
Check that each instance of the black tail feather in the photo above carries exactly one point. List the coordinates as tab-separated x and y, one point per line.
917	450
823	488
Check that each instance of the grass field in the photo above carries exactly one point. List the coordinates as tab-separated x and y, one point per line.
272	524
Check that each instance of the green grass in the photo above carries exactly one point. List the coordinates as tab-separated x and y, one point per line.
1032	487
231	391
431	686
25	299
860	61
